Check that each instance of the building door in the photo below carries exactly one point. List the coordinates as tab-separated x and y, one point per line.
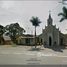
50	41
61	41
27	41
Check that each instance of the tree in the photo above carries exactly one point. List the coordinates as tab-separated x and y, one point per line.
1	30
35	22
63	14
1	33
13	30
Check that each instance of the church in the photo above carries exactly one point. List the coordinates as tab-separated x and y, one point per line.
51	36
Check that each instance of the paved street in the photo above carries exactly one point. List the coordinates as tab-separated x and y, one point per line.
24	55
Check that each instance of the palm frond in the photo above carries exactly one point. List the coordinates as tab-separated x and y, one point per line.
64	10
64	14
62	19
35	21
61	14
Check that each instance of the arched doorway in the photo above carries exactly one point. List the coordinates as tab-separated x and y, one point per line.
61	41
50	41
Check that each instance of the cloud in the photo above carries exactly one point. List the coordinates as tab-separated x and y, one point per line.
22	11
7	4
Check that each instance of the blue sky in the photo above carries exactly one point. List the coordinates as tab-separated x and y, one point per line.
22	11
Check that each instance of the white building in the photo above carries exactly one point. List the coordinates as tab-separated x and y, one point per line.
51	36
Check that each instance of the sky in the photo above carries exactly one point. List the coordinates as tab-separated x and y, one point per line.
21	11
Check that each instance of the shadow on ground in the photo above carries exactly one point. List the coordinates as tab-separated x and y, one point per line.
56	48
35	49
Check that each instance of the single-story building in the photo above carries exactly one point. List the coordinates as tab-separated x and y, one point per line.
25	39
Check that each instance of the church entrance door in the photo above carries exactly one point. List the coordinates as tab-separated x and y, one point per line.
50	41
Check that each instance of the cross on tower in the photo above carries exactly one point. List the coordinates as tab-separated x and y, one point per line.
50	19
49	11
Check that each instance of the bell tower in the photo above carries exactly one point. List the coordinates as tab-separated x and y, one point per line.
49	20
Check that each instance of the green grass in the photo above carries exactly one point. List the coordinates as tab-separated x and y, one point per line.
14	45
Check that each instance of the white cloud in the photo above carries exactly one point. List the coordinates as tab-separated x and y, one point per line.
7	4
22	11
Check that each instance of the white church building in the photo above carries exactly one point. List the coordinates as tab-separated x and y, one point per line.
51	36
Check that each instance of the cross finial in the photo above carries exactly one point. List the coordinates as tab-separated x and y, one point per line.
49	14
49	11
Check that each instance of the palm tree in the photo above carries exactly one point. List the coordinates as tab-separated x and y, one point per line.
64	14
35	22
